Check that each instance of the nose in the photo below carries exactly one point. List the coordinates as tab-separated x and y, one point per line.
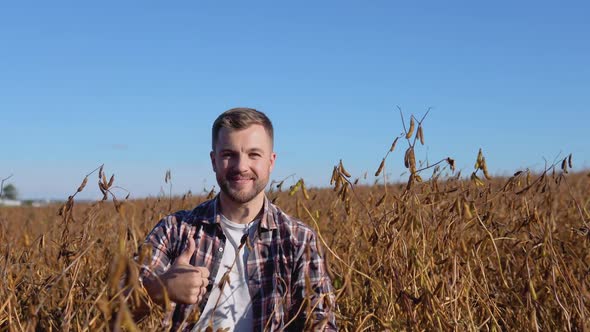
241	163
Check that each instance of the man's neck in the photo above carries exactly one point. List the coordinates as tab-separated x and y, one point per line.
241	213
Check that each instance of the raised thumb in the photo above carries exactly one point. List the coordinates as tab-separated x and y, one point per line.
188	252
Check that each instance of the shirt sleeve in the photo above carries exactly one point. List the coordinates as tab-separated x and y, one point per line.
163	244
160	242
313	296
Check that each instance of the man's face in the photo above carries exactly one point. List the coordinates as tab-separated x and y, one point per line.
242	162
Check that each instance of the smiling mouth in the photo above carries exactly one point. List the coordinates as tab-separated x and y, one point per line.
240	179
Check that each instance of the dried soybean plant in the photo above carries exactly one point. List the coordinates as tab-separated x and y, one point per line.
458	254
447	253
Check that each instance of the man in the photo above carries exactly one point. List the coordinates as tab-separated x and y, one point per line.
238	259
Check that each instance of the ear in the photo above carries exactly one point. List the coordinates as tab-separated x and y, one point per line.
212	156
273	157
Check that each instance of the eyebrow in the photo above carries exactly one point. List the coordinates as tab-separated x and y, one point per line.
249	150
227	150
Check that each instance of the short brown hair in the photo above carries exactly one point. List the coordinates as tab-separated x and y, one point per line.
241	118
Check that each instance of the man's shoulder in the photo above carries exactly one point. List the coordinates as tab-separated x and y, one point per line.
289	224
203	211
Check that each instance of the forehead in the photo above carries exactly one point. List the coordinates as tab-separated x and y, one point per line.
254	136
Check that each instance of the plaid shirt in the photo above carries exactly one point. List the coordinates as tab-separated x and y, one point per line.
284	267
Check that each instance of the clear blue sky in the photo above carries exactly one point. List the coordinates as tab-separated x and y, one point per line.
136	85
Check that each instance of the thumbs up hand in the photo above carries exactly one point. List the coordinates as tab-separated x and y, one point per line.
186	283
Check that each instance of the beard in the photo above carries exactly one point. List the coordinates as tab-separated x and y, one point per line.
243	195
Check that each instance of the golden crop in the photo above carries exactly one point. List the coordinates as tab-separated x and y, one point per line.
442	253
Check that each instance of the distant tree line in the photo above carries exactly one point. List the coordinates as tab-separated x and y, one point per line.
9	192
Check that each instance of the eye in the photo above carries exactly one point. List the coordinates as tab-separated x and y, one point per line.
226	155
255	155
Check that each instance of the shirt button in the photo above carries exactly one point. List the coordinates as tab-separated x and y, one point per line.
220	249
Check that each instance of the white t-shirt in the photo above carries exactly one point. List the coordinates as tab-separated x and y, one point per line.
234	310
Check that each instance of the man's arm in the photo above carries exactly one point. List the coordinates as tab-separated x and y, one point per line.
313	297
182	282
179	281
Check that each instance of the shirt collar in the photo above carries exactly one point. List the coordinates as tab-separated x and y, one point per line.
267	217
